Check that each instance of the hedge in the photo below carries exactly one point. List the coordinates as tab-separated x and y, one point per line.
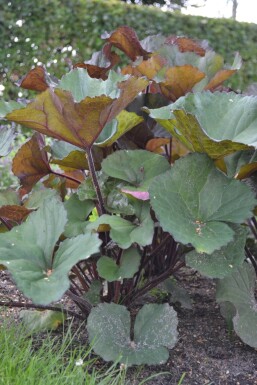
68	31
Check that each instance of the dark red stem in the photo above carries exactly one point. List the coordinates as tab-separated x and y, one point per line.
91	165
66	176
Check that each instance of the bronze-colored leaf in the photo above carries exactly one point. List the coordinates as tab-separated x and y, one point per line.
100	63
37	79
14	213
219	78
179	81
156	145
73	178
54	113
148	68
129	89
127	41
186	44
75	159
30	164
172	82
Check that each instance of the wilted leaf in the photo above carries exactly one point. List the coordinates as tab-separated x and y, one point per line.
185	44
28	253
37	321
14	213
193	201
155	330
30	164
127	41
222	262
238	288
100	63
37	79
128	266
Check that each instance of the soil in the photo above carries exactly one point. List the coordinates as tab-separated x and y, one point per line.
206	351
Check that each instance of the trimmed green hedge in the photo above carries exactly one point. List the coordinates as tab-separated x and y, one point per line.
68	31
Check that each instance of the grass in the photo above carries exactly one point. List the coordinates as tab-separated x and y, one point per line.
50	361
54	361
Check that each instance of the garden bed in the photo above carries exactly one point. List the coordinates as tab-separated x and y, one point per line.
206	350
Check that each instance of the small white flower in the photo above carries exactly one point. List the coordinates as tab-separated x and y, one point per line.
79	362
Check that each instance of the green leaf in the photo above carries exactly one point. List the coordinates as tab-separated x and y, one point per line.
9	197
81	85
128	266
118	202
38	321
93	294
36	198
238	288
228	312
28	253
109	130
124	122
215	123
6	107
124	232
223	116
7	135
222	262
177	292
155	330
193	201
138	167
77	212
241	164
61	150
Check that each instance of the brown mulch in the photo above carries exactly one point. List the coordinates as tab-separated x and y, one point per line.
206	351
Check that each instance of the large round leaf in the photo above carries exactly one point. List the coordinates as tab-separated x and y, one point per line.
215	123
221	262
238	288
155	330
193	201
137	167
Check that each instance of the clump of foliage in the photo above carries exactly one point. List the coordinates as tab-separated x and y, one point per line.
145	173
